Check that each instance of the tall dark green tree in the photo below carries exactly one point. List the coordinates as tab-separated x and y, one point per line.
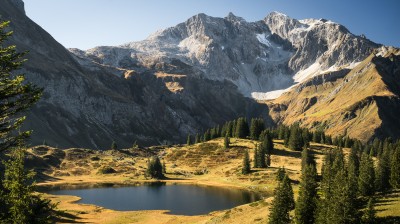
306	205
155	168
18	203
282	204
21	205
197	139
382	174
369	216
366	178
16	95
353	165
256	127
242	128
227	142
113	145
246	163
188	140
395	169
280	174
256	157
267	143
296	139
307	158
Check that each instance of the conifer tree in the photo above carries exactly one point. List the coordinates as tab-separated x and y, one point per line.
282	204
306	205
242	128
197	139
261	157
369	216
164	168
113	145
296	140
280	174
307	159
366	178
255	157
246	163
226	142
21	205
353	170
154	168
16	95
188	140
382	175
256	127
395	169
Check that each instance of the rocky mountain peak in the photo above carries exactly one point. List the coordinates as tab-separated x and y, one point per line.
233	18
19	4
281	24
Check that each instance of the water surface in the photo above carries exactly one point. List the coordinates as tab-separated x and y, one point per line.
180	199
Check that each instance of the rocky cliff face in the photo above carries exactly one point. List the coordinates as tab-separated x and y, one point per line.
87	104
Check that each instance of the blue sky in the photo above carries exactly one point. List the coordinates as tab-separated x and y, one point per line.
88	23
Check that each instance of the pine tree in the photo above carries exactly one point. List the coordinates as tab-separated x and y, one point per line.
242	128
296	140
16	95
307	201
280	174
113	145
255	158
307	159
226	142
197	139
154	168
188	140
367	176
21	204
261	157
353	170
246	163
382	175
369	216
395	169
256	127
282	204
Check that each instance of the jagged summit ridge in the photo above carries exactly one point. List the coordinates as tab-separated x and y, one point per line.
261	58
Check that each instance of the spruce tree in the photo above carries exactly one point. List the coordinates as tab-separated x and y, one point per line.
296	139
306	205
226	142
256	157
369	216
282	204
16	95
113	145
242	128
197	139
246	163
256	127
21	204
366	178
307	159
353	170
188	140
280	174
155	168
395	169
382	175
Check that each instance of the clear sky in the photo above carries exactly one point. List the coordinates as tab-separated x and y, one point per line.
88	23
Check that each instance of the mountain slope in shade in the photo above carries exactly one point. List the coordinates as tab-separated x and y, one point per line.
362	103
86	104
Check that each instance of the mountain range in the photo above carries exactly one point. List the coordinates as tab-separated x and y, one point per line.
205	71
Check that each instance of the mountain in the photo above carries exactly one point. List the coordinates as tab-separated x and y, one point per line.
86	104
362	103
200	73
